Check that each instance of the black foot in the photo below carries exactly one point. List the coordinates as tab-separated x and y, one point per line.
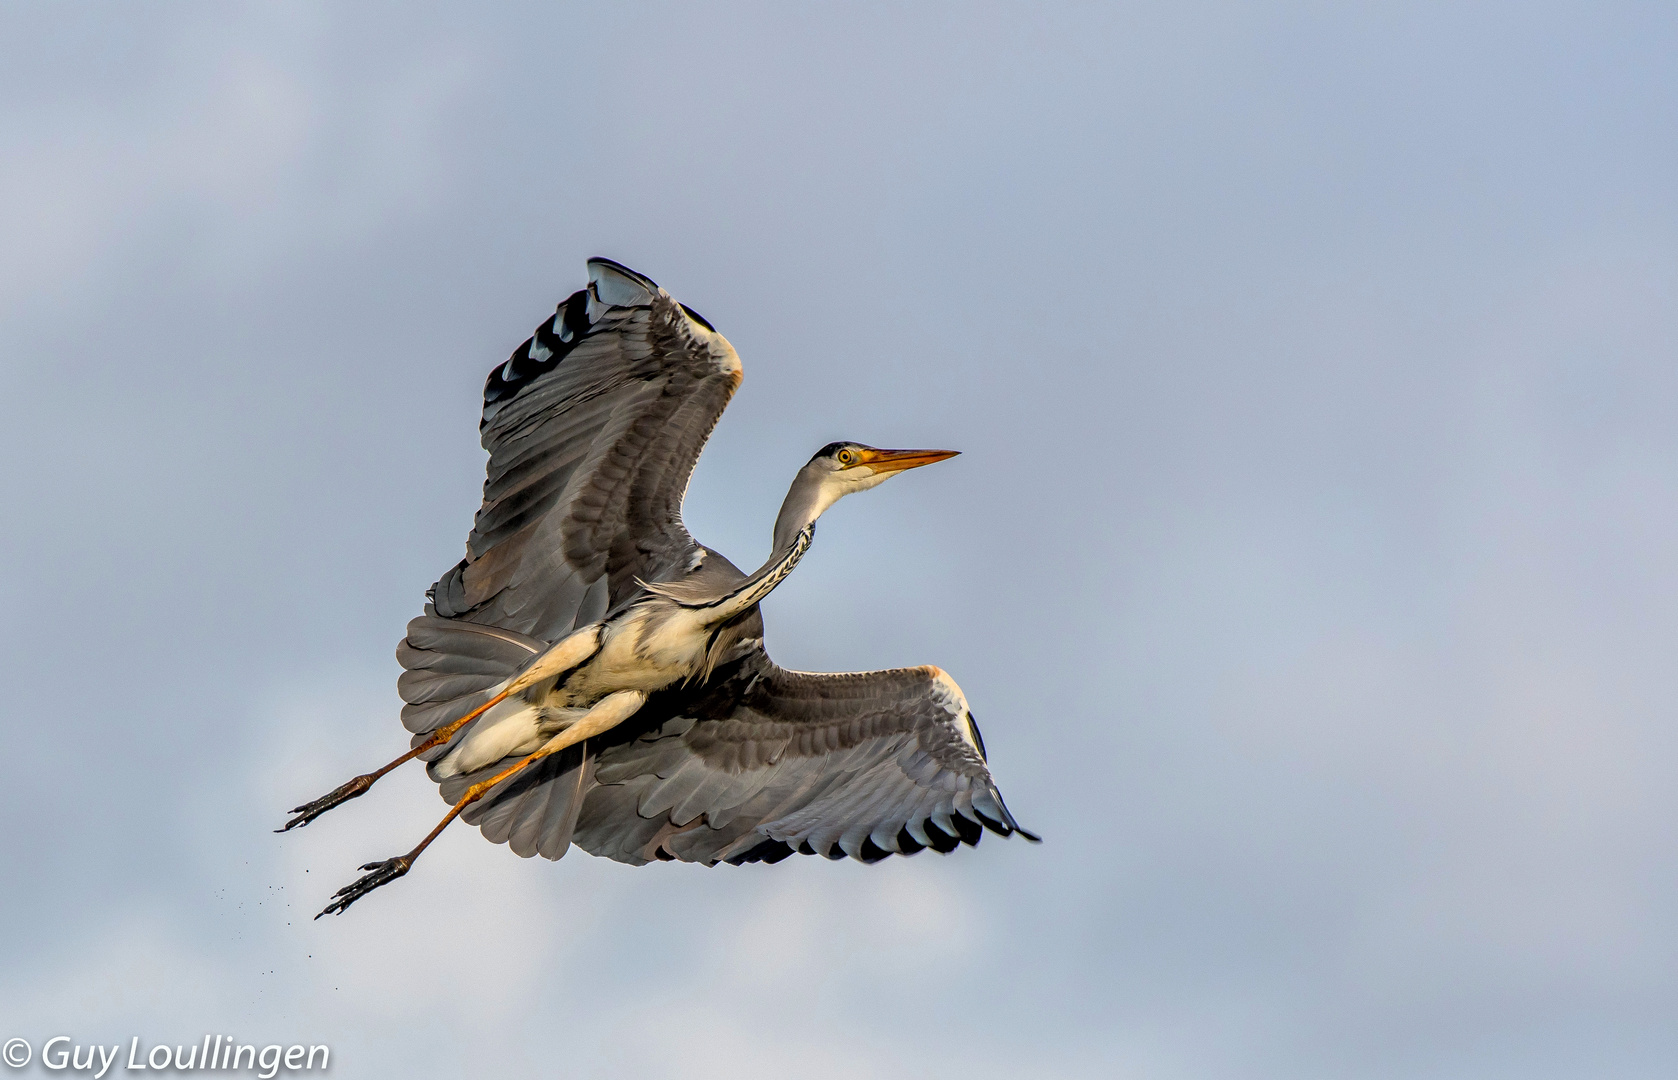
310	811
383	874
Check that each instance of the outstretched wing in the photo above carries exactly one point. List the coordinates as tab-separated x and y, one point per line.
764	762
592	427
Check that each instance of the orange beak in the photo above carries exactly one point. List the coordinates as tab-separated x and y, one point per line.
896	461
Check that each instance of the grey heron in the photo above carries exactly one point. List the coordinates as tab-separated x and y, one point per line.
590	674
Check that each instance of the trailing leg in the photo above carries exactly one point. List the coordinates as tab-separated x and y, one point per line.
557	661
609	712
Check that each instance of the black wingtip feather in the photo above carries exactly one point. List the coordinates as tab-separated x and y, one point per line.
523	368
769	851
942	842
1015	825
776	851
698	318
872	852
573	312
978	739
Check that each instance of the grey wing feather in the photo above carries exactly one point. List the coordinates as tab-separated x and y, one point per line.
449	666
593	428
764	762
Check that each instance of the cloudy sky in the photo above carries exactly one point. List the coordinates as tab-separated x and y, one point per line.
1312	563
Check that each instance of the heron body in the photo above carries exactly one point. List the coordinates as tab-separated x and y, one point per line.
589	674
655	644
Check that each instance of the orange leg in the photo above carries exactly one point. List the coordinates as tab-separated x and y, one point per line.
345	792
608	713
558	660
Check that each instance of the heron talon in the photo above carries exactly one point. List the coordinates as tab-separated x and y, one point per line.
343	793
383	873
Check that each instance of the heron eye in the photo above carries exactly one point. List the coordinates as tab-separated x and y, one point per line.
846	457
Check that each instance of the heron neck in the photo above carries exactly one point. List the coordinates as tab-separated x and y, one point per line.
762	582
795	527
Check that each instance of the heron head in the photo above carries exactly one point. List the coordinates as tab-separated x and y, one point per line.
848	466
840	469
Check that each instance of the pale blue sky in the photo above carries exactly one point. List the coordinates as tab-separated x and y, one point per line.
1312	564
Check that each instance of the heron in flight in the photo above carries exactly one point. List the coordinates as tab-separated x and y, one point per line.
590	674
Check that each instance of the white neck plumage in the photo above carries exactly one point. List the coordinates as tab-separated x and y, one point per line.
813	490
760	584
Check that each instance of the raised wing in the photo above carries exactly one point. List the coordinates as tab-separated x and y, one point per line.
761	763
592	427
